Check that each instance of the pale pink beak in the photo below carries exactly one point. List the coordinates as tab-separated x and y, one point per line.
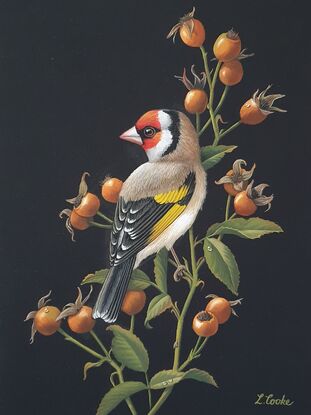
132	136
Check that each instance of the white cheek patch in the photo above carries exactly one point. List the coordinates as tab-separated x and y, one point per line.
156	152
164	119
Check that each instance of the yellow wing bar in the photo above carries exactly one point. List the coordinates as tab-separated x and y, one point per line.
173	196
169	217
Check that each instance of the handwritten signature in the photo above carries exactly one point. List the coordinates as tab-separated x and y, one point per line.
263	399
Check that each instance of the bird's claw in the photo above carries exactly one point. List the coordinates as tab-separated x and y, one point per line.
179	273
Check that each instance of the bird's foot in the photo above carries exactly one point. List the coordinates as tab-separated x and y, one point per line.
179	273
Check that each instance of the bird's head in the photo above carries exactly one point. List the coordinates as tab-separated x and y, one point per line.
163	132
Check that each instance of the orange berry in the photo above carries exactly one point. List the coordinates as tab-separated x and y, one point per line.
45	320
111	189
134	302
243	205
205	324
82	321
231	73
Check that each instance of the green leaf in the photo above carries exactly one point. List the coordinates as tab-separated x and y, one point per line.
157	306
165	378
222	263
200	376
211	155
160	269
98	277
251	228
117	394
91	365
138	281
129	349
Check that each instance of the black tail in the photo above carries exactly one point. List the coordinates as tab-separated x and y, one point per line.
110	298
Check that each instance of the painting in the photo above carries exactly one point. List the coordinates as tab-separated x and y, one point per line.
153	261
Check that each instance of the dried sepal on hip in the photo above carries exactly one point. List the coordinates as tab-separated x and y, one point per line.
43	301
265	102
71	309
239	176
83	188
199	83
257	196
185	21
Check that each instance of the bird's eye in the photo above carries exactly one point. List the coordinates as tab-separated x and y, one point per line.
149	132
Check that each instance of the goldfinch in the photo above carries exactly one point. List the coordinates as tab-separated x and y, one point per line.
158	202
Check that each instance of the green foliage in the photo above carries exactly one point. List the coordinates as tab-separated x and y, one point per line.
212	155
160	269
157	306
200	376
98	277
167	378
129	349
138	281
222	263
251	228
118	394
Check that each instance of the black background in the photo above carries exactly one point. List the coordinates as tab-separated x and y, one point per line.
73	76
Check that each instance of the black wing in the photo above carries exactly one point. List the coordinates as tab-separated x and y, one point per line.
138	223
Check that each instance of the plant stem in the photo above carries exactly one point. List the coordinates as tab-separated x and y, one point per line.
201	346
211	84
220	103
100	344
228	207
161	401
101	215
197	350
100	357
180	323
99	225
82	346
222	98
191	354
128	400
211	97
197	344
205	61
132	325
172	262
116	367
197	122
200	264
227	131
211	101
227	212
149	390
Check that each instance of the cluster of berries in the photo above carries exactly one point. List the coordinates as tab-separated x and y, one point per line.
47	319
246	197
229	53
217	311
86	205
